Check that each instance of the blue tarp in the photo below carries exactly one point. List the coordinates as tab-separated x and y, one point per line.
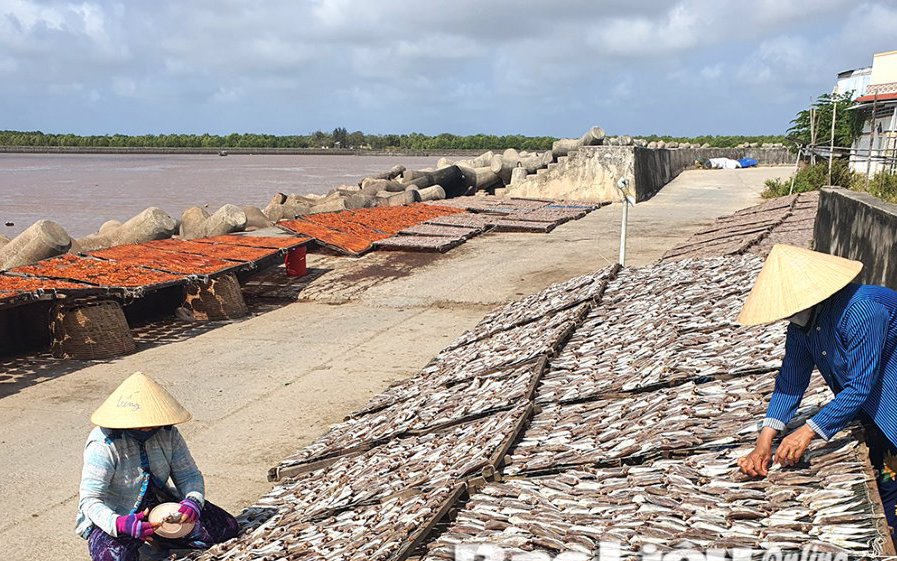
747	162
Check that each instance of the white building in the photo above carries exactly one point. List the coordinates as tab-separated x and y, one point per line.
854	81
878	106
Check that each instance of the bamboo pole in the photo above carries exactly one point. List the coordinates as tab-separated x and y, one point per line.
831	150
871	139
794	175
812	135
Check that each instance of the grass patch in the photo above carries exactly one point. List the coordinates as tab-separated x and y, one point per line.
813	177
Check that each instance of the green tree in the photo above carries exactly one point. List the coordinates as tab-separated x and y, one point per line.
818	117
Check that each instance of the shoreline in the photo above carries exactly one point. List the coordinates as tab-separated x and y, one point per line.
230	151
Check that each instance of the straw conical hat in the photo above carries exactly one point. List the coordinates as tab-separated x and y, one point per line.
792	280
137	403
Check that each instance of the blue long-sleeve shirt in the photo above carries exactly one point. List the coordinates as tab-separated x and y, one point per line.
851	339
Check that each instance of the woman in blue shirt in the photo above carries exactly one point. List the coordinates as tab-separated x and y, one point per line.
134	460
849	333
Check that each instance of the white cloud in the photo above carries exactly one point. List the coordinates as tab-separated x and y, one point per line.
447	65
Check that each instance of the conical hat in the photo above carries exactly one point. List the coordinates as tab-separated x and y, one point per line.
792	280
137	403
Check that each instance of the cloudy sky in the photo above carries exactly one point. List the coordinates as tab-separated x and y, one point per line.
536	67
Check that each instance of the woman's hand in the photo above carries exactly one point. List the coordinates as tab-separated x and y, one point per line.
189	510
136	526
756	464
793	446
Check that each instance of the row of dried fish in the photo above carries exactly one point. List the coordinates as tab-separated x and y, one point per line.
514	345
754	229
555	298
645	425
376	532
797	229
404	390
662	324
426	406
420	462
700	502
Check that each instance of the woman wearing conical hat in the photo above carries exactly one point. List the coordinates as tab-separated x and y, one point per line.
846	330
134	460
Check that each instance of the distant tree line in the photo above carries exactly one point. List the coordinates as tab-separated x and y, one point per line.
338	138
721	141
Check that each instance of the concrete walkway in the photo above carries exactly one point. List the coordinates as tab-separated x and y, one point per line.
262	388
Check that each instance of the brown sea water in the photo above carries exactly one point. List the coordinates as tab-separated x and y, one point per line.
81	191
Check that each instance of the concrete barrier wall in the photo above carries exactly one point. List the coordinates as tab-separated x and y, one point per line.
591	173
859	226
654	168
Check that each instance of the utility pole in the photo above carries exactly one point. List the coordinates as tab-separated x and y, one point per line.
831	150
628	200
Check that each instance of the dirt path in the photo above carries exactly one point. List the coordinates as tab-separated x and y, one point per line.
262	388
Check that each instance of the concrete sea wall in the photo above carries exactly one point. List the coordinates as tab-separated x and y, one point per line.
859	226
592	172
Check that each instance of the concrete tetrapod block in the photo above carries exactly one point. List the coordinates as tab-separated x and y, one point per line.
396	199
108	227
434	193
274	211
41	240
394	171
333	205
361	200
519	174
225	220
151	224
94	242
255	218
193	222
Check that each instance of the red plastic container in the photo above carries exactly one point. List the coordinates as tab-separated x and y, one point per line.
295	262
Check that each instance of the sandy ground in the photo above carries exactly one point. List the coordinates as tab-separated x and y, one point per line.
262	388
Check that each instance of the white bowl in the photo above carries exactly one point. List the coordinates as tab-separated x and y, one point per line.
170	530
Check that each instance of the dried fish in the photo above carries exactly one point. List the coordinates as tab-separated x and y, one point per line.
372	532
421	462
644	425
755	229
512	346
555	298
404	390
664	324
705	504
431	407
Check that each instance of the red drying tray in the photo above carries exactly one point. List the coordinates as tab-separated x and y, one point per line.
179	263
342	221
239	253
340	241
271	242
97	272
10	283
397	218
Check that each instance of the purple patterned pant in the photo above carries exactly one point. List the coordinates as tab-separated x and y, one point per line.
215	525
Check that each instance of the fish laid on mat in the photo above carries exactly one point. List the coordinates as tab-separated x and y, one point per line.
555	298
665	323
376	532
700	502
639	425
415	462
434	406
514	345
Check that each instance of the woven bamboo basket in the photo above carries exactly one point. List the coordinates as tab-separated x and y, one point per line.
219	299
90	330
